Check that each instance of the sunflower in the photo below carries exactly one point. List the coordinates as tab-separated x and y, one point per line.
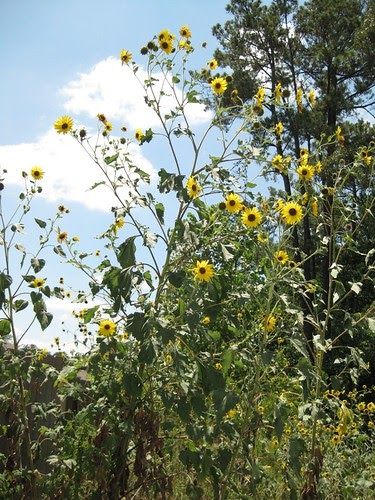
165	35
219	85
299	97
166	45
185	31
291	212
279	205
62	236
260	95
203	270
279	127
339	135
280	163
101	117
206	320
125	56
251	217
119	223
37	173
311	97
139	135
193	187
64	124
305	172
108	126
314	207
278	93
233	203
185	45
281	256
213	64
107	327
38	283
262	238
270	323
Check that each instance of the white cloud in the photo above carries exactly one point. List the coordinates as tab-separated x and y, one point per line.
112	89
69	172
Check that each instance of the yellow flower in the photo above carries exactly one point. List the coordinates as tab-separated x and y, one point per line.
299	97
371	407
193	187
125	56
260	95
311	97
75	239
213	64
279	127
231	414
139	135
63	125
219	85
165	35
166	45
365	156
281	256
101	117
303	156
185	45
218	366
62	236
278	93
185	31
38	283
314	207
339	135
251	217
233	203
270	323
318	167
305	172
361	406
37	173
262	238
119	223
107	327
291	212
108	126
206	320
280	163
203	270
168	359
279	205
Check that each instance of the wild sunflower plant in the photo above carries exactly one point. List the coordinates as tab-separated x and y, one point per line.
205	370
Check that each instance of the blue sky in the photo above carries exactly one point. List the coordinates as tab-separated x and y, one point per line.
52	55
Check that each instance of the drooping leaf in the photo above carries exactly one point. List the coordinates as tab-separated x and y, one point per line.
5	281
37	264
4	326
41	223
126	253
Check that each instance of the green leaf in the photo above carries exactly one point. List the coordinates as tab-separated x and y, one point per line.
4	326
126	253
136	325
281	415
37	264
224	458
297	447
42	315
133	384
210	378
89	314
59	251
159	207
176	278
41	223
20	305
169	182
147	353
110	159
224	401
226	360
5	281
